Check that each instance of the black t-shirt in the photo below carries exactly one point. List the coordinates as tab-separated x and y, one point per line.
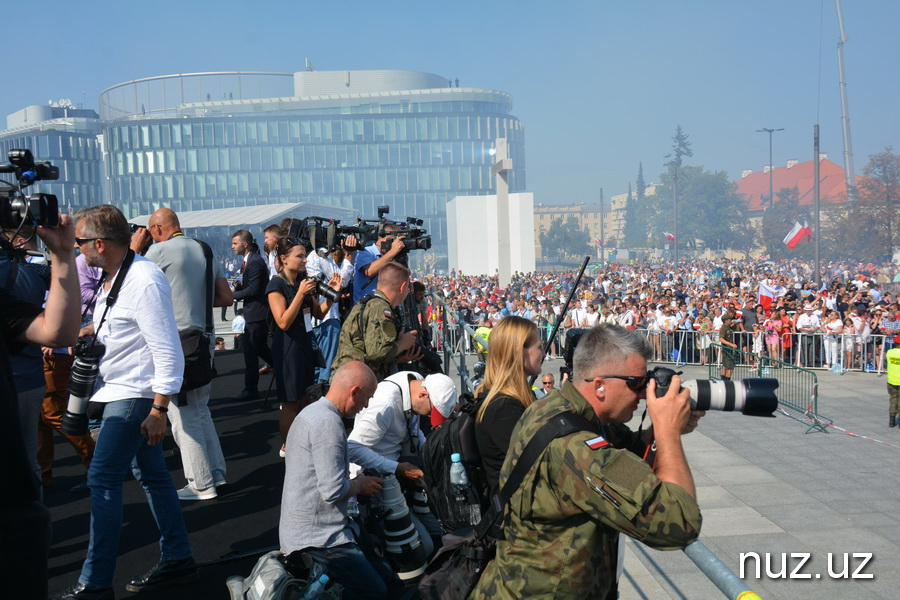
20	486
494	436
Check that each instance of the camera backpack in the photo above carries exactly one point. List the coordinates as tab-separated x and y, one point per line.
455	435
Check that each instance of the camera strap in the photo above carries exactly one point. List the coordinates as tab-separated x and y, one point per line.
113	294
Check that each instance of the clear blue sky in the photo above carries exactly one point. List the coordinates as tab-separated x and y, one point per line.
600	85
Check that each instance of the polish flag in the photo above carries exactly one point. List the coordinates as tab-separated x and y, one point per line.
797	233
598	242
767	293
669	236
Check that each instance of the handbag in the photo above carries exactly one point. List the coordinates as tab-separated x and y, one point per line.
456	568
198	370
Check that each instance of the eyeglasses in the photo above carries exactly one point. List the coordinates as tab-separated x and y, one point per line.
635	384
547	382
82	241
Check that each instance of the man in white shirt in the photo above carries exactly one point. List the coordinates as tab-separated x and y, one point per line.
328	332
139	372
272	234
807	325
388	429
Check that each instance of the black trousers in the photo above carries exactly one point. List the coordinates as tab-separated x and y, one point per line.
255	347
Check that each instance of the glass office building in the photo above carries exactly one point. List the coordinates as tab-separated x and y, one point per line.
69	138
349	139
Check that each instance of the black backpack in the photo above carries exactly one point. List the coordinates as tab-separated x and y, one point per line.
455	435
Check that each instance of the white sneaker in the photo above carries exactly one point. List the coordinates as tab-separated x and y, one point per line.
282	452
189	492
218	478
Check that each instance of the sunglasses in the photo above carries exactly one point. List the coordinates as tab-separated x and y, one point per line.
83	241
635	384
547	382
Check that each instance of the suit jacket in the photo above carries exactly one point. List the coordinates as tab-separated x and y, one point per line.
253	288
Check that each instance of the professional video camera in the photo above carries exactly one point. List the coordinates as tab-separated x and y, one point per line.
754	396
15	207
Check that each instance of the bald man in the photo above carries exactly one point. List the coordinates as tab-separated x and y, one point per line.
314	518
184	262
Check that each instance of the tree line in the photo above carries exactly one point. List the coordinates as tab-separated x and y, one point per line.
711	214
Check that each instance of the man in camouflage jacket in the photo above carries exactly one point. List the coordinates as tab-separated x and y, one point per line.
370	333
562	525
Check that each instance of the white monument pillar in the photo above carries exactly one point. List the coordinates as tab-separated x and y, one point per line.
500	169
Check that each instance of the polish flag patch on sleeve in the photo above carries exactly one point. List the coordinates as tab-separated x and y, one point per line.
388	313
597	443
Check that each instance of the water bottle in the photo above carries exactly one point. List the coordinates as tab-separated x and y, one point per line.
317	589
459	482
458	474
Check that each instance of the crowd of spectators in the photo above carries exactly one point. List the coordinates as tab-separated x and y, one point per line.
680	310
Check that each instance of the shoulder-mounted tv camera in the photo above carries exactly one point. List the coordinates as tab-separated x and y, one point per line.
15	207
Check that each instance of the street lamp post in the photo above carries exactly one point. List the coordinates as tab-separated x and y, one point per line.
771	166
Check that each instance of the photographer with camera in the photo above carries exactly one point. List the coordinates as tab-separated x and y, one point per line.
372	259
183	259
140	369
323	268
24	521
371	333
294	302
562	525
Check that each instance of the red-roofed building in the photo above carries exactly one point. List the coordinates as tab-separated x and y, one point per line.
833	189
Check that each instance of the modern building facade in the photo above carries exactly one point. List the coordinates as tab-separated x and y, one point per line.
68	137
350	139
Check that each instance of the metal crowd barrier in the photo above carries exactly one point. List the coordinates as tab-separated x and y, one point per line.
798	388
454	337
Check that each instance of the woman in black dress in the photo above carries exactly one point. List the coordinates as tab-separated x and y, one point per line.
293	301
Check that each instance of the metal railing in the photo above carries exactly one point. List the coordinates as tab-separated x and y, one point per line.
798	388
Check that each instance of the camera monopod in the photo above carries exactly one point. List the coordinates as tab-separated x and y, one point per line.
562	313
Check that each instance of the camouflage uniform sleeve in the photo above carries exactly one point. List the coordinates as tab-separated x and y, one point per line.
622	492
380	335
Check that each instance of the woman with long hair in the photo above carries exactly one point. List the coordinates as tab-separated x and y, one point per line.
514	355
293	301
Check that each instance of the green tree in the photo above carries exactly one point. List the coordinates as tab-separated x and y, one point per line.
640	186
878	206
633	231
565	239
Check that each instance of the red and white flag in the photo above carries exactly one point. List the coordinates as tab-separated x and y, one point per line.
598	242
797	233
767	293
669	236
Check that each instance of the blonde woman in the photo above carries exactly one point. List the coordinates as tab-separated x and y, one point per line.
514	355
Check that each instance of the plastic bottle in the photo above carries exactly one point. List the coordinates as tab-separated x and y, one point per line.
459	482
458	474
317	589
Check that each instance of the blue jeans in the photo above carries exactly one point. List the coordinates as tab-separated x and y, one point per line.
328	333
120	446
347	565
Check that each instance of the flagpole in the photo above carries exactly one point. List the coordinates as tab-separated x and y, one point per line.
818	274
602	247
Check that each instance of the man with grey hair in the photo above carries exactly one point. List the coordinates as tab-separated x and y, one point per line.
139	372
562	526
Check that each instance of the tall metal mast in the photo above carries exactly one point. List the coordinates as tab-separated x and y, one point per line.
849	172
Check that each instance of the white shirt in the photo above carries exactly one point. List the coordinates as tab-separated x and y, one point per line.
270	260
806	321
380	429
327	268
143	352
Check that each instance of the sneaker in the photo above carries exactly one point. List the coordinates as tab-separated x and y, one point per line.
218	478
189	492
281	452
81	487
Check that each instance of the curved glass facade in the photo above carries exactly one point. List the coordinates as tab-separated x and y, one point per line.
413	150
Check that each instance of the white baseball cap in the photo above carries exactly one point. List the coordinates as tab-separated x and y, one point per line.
442	393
